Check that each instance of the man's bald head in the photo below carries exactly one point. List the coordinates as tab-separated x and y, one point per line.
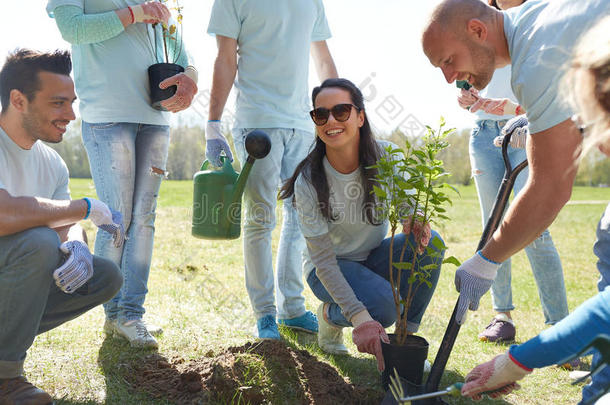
461	39
453	15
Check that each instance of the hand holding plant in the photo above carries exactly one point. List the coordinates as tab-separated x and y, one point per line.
151	12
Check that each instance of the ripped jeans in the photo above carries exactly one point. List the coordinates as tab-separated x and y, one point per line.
488	170
127	165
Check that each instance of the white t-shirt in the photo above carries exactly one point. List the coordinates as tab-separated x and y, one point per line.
38	172
541	35
352	236
274	40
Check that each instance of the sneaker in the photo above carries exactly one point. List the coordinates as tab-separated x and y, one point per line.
110	326
18	391
330	337
427	366
136	333
267	328
305	323
501	329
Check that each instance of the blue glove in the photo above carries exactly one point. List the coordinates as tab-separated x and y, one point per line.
472	280
215	143
107	220
77	269
518	127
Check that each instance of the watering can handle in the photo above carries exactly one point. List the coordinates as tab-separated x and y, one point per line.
206	163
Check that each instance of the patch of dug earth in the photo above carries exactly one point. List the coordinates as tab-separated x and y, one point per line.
265	372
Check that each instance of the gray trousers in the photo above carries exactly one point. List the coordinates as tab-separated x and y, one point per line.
31	303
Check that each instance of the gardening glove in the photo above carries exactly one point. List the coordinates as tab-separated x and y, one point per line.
186	89
367	337
215	143
497	106
473	279
519	130
494	378
151	12
77	269
421	232
468	97
107	220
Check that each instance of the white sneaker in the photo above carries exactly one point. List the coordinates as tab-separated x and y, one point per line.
153	329
330	337
136	333
427	366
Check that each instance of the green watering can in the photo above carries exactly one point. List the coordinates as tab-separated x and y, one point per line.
217	193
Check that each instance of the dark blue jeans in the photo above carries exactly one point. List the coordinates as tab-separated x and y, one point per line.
370	281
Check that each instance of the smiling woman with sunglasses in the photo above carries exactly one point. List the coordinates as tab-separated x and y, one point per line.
346	263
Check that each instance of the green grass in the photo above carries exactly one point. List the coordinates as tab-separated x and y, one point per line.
197	293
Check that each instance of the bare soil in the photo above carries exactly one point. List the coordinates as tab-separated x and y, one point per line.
264	372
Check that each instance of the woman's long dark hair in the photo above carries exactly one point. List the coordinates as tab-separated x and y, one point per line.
312	167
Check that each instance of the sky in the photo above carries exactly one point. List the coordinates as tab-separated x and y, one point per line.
375	44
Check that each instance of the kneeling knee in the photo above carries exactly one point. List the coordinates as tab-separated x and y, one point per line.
111	277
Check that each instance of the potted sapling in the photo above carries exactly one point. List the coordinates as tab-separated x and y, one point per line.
411	185
166	44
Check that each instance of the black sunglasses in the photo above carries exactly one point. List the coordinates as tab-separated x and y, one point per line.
341	112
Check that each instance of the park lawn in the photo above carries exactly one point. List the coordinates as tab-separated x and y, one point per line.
197	294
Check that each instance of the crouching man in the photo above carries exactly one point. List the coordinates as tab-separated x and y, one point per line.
47	274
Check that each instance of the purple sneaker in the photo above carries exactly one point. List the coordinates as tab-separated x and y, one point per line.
501	329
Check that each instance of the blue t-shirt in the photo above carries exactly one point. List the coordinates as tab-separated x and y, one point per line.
541	35
274	39
111	76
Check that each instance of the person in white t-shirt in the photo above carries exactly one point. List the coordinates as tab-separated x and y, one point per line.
47	273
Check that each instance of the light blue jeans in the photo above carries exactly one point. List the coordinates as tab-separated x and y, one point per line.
488	170
127	164
288	148
370	281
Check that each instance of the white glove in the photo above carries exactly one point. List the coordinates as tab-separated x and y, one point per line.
77	269
106	219
499	106
215	143
494	378
518	128
151	12
473	279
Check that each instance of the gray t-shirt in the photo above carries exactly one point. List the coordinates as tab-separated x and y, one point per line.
38	172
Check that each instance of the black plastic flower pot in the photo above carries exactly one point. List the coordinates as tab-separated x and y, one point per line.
156	74
407	359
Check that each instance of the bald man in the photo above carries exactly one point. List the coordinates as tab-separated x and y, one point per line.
468	40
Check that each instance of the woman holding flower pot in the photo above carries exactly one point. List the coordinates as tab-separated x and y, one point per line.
346	262
126	139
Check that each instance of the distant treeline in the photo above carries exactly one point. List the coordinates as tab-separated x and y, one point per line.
187	152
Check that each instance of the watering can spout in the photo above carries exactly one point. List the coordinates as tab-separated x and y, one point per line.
217	193
257	145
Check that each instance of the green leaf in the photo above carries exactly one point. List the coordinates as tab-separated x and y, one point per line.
402	265
452	260
438	243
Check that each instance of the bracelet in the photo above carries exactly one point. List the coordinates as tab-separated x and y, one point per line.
133	17
88	207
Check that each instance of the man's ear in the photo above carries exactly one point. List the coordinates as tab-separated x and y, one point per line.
18	100
476	29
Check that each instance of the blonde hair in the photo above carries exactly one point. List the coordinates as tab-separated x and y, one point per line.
588	83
